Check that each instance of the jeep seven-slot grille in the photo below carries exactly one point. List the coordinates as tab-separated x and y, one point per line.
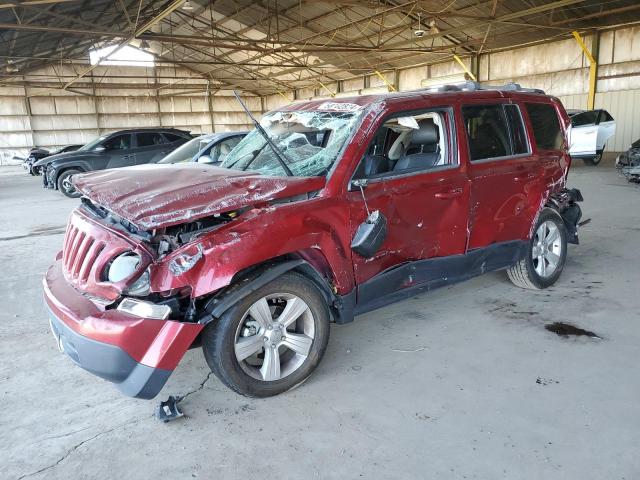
79	254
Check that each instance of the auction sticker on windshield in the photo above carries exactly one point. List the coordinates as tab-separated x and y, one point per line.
339	107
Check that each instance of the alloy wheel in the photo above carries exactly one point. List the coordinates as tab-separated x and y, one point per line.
67	186
274	337
547	249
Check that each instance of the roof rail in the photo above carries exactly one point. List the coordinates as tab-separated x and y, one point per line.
474	86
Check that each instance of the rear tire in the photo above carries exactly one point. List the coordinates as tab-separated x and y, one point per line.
546	254
65	186
595	160
285	322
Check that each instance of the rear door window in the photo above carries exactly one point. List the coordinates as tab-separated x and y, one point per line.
487	132
585	118
150	139
545	125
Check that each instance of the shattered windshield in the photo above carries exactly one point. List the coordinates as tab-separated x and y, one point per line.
309	140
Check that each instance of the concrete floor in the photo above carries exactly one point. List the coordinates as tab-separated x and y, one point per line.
464	382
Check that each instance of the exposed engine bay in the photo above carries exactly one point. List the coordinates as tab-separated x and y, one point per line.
162	240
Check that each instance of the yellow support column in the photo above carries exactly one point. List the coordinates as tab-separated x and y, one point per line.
327	89
464	67
593	71
389	85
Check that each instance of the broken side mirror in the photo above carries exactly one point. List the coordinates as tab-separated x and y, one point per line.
359	183
370	235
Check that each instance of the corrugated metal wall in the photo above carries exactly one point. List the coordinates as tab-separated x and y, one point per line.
625	108
560	68
51	117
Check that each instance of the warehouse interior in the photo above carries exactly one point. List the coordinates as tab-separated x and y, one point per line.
275	54
466	381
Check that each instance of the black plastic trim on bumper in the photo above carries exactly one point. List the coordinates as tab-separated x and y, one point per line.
109	362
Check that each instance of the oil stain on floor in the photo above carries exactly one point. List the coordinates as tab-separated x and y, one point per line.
567	330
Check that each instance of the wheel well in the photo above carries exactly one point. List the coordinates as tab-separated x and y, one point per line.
565	204
65	169
252	278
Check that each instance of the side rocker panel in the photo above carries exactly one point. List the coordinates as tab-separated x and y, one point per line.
408	279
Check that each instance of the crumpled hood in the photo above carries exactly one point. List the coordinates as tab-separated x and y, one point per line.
156	196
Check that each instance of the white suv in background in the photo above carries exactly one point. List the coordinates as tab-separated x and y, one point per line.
590	131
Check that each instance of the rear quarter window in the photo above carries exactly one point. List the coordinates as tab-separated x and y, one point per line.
605	116
545	125
172	137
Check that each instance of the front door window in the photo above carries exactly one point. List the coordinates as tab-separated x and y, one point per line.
413	179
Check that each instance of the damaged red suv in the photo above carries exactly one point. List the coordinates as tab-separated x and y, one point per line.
326	210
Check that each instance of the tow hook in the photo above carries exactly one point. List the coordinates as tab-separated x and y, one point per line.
168	410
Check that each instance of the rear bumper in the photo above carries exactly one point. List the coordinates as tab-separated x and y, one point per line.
136	354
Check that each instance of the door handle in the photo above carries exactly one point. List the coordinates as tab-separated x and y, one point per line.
524	178
454	192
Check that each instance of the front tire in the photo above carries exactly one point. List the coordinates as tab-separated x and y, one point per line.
546	254
271	340
65	186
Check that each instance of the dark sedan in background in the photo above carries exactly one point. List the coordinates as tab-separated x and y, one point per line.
119	149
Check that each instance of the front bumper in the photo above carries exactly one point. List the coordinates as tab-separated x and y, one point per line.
48	176
136	354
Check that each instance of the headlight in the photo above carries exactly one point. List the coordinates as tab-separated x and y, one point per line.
123	267
141	287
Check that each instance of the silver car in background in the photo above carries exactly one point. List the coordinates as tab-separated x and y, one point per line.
211	148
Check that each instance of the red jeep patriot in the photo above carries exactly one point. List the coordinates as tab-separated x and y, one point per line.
328	209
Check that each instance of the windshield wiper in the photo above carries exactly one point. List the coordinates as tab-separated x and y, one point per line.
279	155
253	154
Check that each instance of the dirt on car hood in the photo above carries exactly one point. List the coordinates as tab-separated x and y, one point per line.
156	196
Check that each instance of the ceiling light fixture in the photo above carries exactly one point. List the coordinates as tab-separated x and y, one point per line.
144	45
11	68
419	32
187	5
